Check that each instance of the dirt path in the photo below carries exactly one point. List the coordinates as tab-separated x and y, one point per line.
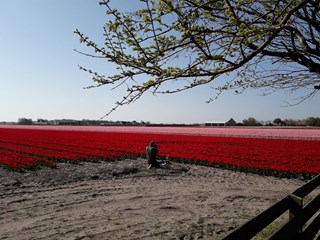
124	200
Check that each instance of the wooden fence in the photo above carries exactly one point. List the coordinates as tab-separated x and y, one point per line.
303	223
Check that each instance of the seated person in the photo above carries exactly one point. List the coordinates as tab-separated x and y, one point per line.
152	151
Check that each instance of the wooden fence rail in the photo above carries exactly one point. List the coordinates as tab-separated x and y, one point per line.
299	225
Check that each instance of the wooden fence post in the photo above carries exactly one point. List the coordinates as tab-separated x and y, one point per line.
295	208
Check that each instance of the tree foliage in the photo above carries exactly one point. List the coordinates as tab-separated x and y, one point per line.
313	121
277	121
25	121
251	122
170	46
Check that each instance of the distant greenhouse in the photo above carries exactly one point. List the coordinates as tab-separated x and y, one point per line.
231	122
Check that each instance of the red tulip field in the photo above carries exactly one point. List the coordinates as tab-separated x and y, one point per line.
30	147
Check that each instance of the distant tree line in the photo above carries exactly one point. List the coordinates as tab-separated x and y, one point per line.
83	122
251	121
310	121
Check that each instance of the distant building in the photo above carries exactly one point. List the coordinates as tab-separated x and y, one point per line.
230	122
66	122
41	122
215	123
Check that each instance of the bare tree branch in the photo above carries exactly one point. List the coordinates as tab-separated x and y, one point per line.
268	44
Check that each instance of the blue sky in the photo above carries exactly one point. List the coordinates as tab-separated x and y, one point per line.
40	77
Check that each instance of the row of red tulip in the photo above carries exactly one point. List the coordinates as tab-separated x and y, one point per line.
301	156
18	160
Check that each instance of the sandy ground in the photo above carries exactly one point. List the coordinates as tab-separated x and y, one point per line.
125	200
